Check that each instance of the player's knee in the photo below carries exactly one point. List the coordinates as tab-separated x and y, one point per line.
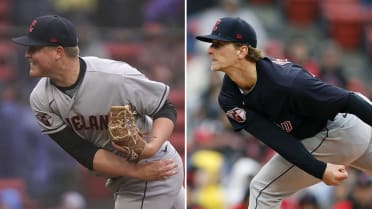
261	188
262	197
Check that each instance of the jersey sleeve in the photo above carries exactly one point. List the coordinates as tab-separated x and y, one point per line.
231	103
146	95
284	144
314	98
49	122
266	131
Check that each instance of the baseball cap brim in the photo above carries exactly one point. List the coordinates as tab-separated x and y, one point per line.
27	41
210	38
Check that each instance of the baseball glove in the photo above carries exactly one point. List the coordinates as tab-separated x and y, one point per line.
124	132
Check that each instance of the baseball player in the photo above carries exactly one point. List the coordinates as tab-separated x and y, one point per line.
317	129
71	103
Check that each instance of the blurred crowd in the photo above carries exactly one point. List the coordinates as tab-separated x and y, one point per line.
220	162
148	34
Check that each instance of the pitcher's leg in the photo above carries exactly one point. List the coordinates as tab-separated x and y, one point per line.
364	163
165	194
129	201
179	202
277	180
359	135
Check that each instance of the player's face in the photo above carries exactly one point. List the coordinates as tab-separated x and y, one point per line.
40	59
222	54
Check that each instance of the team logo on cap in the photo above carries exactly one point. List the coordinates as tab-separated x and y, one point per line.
237	114
53	40
31	28
216	24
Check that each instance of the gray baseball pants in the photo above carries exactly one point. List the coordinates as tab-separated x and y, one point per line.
168	194
345	141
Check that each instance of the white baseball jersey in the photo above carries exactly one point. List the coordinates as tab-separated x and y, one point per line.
106	83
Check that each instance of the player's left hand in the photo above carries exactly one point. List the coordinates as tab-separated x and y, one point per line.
334	174
156	170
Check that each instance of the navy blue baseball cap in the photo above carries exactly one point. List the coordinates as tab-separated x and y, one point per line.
49	30
231	29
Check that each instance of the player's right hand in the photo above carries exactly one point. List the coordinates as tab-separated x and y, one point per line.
334	174
156	170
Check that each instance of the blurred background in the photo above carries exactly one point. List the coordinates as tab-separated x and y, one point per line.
330	38
148	34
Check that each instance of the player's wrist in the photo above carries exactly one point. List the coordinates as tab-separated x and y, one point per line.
133	170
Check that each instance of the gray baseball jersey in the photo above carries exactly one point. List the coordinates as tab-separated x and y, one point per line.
107	83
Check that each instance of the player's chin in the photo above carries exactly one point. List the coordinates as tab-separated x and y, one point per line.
214	68
35	73
217	70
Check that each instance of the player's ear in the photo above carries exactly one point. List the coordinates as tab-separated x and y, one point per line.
59	52
242	51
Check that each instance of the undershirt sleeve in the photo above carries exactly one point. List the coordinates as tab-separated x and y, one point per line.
360	106
284	144
167	111
80	149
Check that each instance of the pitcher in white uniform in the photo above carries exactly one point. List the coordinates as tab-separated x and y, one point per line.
71	103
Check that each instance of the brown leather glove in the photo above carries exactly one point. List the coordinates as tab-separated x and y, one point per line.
124	132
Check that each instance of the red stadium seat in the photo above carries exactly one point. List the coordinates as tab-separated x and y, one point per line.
178	141
124	51
345	22
7	49
260	2
180	123
177	97
301	12
5	10
7	73
369	40
20	186
93	186
368	30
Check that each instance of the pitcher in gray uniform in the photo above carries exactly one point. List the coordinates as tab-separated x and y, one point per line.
71	102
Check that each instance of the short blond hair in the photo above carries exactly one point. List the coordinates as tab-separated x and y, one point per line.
254	54
72	52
